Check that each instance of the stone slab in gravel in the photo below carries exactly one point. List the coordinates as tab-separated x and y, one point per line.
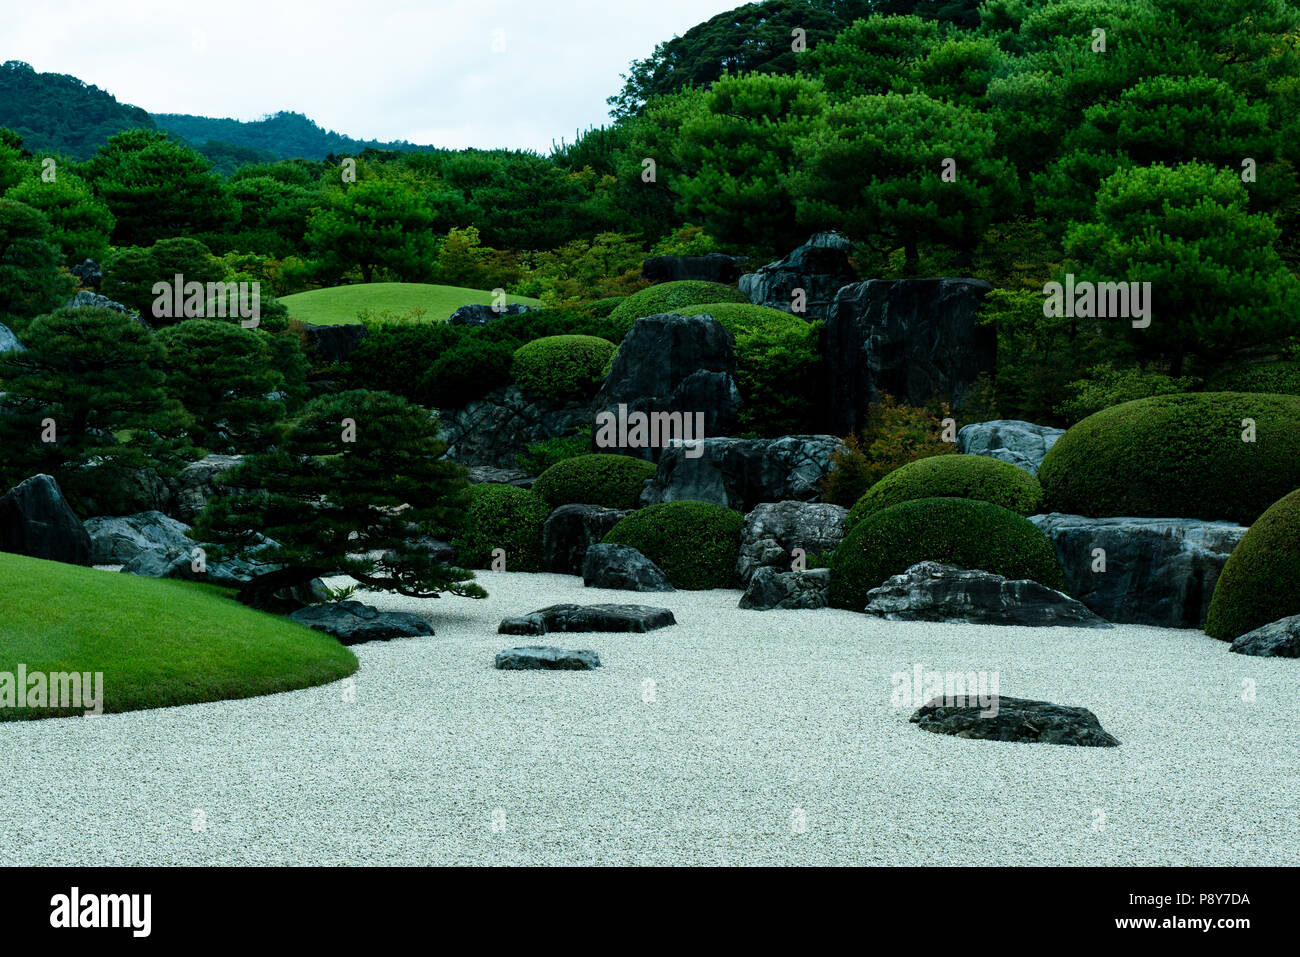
546	658
931	591
770	588
622	568
1017	719
351	622
618	618
1278	639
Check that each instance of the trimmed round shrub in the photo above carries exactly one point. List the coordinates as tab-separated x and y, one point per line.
1261	581
467	371
502	516
614	481
673	297
1177	456
977	477
562	368
601	308
776	359
1276	378
955	531
694	543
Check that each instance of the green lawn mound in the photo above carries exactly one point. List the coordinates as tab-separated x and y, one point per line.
158	642
340	304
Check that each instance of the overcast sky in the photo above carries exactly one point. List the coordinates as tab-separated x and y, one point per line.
419	70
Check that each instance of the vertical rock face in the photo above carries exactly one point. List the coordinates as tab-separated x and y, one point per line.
715	267
491	431
334	343
913	338
772	531
1158	571
9	342
743	473
1010	440
570	531
820	267
36	520
671	363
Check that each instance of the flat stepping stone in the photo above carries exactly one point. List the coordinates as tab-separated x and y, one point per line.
1016	719
1278	639
546	658
351	622
636	618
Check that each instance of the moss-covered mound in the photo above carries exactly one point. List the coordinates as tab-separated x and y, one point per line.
1261	581
614	481
673	297
955	531
694	543
952	476
562	368
1208	455
506	517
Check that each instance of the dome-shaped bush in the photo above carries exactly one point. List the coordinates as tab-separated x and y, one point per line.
978	477
673	297
956	531
562	368
614	481
502	516
1261	581
694	543
1177	456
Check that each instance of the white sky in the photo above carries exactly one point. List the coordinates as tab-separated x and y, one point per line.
372	69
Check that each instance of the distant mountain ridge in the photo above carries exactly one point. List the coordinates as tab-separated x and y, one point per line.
57	113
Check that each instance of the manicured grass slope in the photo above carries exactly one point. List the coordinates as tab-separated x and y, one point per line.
158	642
340	304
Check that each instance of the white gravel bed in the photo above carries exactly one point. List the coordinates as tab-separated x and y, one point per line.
770	739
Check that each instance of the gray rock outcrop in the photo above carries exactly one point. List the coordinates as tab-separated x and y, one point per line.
1011	440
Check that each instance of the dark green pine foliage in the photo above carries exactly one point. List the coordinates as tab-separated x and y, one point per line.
346	507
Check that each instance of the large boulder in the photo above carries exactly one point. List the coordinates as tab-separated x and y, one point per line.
714	267
229	572
36	520
1016	719
124	491
486	474
119	540
1158	571
1278	639
742	473
820	267
546	658
196	483
912	338
570	530
351	622
622	567
89	274
671	363
774	529
9	342
930	591
1011	440
491	431
481	315
85	299
333	343
569	617
770	588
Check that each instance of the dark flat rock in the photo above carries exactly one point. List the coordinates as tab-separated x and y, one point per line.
1016	719
546	658
1278	639
622	567
351	622
623	618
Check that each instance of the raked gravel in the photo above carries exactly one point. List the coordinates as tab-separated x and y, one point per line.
768	738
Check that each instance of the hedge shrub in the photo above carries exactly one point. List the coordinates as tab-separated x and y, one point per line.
562	368
468	371
776	366
1276	378
694	543
502	516
978	477
1177	456
1261	581
956	531
614	481
673	297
